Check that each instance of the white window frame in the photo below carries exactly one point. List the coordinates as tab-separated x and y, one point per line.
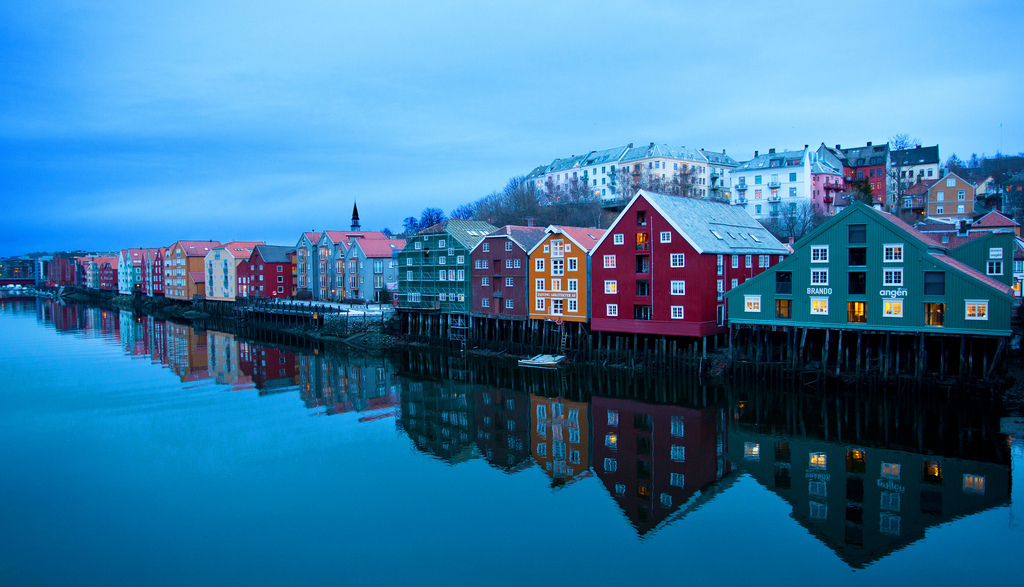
574	306
892	308
994	267
819	312
752	303
819	277
573	285
892	277
509	282
572	264
611	310
819	254
677	287
892	253
609	261
538	264
676	312
665	236
618	239
538	304
485	282
611	286
677	260
983	304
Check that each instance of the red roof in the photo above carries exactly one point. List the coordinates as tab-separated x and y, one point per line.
584	237
928	240
995	220
240	249
346	236
973	273
197	248
198	276
381	248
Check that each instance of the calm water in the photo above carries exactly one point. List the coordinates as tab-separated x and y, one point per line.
137	451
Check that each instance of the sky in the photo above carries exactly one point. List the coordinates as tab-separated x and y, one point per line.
136	124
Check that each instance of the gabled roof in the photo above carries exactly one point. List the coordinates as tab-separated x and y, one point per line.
949	173
525	237
198	276
584	238
380	248
606	156
312	237
346	237
710	227
239	249
467	232
855	155
995	219
917	156
196	248
574	162
274	253
716	158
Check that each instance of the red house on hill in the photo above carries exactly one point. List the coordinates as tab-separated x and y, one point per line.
500	271
666	262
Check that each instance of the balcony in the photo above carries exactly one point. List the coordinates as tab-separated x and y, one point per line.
742	187
775	184
775	198
742	201
832	185
774	212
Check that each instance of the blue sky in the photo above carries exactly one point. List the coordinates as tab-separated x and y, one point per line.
136	124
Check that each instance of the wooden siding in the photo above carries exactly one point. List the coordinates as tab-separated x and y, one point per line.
977	254
544	252
497	273
959	286
424	257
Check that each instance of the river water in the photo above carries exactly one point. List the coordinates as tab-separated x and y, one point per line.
138	451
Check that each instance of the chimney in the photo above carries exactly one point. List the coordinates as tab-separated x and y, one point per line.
918	147
838	147
755	153
771	151
869	143
651	145
791	241
630	146
805	146
529	221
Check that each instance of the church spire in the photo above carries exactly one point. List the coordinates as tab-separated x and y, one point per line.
355	217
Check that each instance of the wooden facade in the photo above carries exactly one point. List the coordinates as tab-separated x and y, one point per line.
432	268
559	274
184	274
866	270
500	272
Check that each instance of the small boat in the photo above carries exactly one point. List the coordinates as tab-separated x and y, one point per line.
543	361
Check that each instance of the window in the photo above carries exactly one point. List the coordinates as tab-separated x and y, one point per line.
677	260
642	312
749	261
784	309
508	263
641	218
752	303
618	239
735	261
890	501
573	306
735	282
538	265
938	209
892	277
611	310
858	257
485	281
677	312
858	283
977	309
951	182
538	284
856	312
858	233
891	471
485	302
974	483
892	308
678	287
508	246
460	260
442	297
995	268
819	276
893	253
538	305
818	511
610	286
889	523
442	274
819	306
934	314
818	460
573	263
677	453
441	243
509	282
665	236
610	465
819	254
508	303
609	261
721	265
961	195
573	285
486	247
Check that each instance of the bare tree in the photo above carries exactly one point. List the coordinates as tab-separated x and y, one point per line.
795	220
897	166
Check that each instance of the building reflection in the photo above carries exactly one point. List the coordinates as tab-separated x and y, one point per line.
187	354
438	418
654	458
869	476
339	385
560	438
503	427
223	361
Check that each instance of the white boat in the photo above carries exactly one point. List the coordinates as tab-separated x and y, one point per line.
543	361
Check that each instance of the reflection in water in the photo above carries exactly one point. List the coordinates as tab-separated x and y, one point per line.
866	474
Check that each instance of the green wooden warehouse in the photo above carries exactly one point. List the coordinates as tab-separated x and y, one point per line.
865	276
434	271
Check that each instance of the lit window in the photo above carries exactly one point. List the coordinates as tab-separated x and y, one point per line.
817	460
611	310
752	303
611	441
974	483
819	306
609	261
891	471
751	451
893	309
977	309
610	286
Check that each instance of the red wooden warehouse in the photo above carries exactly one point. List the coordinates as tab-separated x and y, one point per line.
665	263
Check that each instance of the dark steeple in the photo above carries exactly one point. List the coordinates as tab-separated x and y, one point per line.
355	217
